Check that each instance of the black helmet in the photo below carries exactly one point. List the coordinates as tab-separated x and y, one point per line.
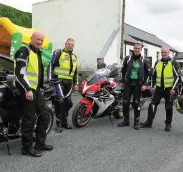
179	106
115	69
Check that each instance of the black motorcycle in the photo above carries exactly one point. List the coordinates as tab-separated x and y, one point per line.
11	107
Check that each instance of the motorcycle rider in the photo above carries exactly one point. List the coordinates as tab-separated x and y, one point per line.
64	67
164	76
29	79
134	76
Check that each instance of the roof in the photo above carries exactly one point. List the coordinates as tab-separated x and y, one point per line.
138	34
129	38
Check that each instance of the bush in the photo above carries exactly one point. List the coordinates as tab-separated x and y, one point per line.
17	17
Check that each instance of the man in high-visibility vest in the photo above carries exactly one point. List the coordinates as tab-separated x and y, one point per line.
165	73
28	79
64	67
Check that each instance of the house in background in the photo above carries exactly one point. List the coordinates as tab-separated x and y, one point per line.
179	58
151	44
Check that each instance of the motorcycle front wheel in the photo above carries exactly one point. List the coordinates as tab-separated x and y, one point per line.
79	118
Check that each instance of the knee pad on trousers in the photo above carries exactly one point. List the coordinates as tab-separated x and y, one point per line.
60	100
168	107
152	108
68	102
126	103
136	104
45	113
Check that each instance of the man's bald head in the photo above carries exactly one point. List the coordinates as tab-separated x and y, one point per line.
37	39
165	52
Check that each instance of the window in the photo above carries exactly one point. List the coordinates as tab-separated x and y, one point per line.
130	52
149	59
157	55
145	52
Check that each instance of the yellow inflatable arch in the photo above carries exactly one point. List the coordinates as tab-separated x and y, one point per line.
12	37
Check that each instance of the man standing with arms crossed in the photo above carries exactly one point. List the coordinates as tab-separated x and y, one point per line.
29	79
166	71
64	67
134	77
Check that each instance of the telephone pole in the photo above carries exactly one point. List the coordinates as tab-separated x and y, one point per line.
122	30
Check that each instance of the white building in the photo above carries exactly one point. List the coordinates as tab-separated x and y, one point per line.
94	24
152	44
179	58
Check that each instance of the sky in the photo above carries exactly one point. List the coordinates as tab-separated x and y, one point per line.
160	17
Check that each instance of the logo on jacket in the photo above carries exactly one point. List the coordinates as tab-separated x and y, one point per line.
66	58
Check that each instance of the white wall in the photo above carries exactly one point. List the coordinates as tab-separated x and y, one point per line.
90	23
113	54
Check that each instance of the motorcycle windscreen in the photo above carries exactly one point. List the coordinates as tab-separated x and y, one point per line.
98	76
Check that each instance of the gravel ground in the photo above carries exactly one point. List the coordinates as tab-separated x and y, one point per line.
103	147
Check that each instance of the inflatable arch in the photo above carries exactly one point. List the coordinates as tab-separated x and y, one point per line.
12	37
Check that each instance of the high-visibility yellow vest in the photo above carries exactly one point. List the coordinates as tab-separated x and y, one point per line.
32	70
168	74
63	71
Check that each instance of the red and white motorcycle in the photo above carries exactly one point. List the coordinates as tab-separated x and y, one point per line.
102	96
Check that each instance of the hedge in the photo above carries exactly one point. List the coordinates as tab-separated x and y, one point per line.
18	17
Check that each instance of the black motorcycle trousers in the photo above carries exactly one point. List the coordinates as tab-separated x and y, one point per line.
128	91
62	107
158	95
34	112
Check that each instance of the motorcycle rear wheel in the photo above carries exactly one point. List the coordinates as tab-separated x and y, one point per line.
78	114
50	124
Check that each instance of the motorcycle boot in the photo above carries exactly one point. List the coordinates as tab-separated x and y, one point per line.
59	126
168	121
65	123
32	152
151	114
67	106
126	121
58	111
136	118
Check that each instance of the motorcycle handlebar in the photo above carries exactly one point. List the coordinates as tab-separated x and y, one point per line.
52	81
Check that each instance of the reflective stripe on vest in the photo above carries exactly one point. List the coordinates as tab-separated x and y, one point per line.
168	74
31	70
64	62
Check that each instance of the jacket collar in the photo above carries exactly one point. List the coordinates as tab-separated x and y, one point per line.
65	50
34	49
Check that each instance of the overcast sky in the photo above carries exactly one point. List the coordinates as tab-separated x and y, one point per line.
163	18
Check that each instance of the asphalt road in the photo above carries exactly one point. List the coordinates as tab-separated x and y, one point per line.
102	147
